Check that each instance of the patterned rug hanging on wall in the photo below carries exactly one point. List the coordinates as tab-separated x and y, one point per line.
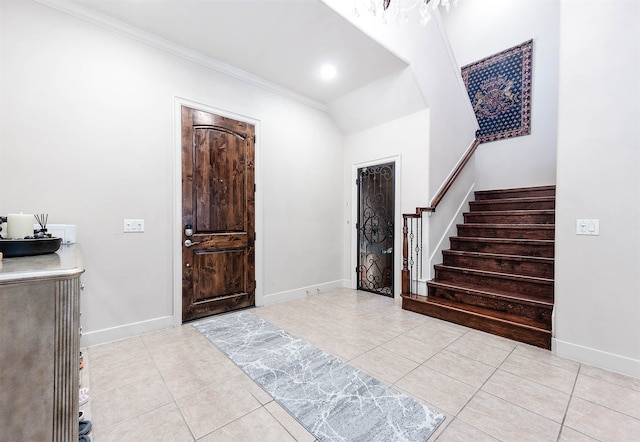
499	87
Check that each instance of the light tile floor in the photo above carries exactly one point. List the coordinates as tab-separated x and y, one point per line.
173	385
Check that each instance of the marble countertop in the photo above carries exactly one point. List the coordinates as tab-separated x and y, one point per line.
67	261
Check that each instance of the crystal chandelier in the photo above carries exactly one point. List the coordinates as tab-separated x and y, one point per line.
399	10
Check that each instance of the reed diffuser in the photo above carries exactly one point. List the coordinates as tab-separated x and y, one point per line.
42	221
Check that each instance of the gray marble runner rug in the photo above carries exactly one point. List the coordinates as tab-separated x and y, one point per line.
333	400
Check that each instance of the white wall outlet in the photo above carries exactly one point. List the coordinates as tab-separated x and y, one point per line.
133	225
588	227
66	232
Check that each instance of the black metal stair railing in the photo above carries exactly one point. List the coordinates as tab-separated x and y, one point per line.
412	237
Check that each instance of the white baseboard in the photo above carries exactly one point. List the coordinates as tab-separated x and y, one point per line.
126	331
597	358
419	286
139	328
301	292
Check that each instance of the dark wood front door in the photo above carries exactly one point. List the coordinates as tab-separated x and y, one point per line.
218	204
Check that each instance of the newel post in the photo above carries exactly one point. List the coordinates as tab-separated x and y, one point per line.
406	275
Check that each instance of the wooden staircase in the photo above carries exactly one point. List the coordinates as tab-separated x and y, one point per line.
498	274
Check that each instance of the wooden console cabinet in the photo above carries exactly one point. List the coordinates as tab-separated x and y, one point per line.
40	346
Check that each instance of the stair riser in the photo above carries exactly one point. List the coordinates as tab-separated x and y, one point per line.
537	290
526	311
500	218
492	264
489	325
524	193
488	205
493	232
542	250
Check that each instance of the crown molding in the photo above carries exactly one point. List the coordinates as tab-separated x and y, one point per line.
113	25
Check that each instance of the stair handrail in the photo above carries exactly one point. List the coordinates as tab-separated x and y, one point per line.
453	175
451	178
406	274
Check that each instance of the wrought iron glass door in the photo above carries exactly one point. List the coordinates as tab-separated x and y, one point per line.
376	201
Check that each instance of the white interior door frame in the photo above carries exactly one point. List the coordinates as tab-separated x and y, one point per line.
397	241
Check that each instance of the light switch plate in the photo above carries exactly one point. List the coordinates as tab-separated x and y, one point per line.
133	225
588	227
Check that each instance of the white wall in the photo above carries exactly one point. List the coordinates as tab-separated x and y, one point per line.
428	53
480	28
443	223
597	291
451	121
404	141
88	136
392	97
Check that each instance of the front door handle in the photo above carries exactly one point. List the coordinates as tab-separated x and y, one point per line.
189	243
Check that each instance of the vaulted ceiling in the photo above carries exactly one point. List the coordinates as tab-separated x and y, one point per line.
281	42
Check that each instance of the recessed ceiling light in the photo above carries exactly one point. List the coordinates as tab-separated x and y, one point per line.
328	71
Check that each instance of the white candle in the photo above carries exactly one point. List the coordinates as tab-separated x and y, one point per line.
19	225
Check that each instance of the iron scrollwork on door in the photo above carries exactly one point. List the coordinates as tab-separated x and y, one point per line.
375	228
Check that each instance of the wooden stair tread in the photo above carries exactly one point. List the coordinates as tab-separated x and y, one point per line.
481	194
506	246
491	293
514	189
497	230
505	240
485	314
499	256
508	226
506	317
538	216
516	203
512	212
524	199
502	263
478	272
